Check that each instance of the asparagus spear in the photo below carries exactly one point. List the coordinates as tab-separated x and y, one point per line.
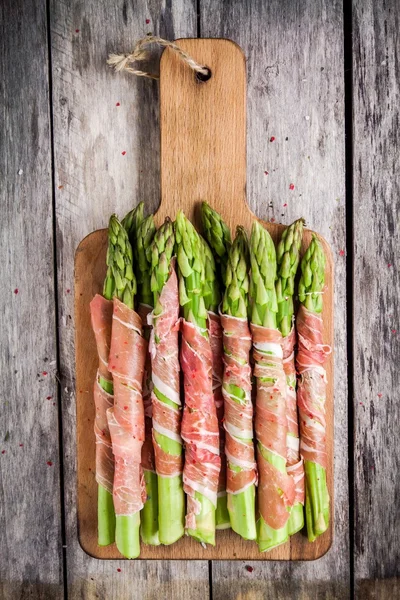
171	516
212	298
144	236
241	506
191	265
218	235
190	257
131	222
105	505
142	232
288	255
268	357
235	301
311	389
211	287
119	262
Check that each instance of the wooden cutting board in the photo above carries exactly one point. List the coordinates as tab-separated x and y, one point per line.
203	157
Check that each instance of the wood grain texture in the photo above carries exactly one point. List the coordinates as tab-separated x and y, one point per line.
207	133
93	179
376	82
30	511
295	90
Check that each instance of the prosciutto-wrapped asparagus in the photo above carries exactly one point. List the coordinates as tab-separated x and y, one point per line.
276	488
218	236
126	417
311	393
166	400
238	422
212	298
199	424
288	254
101	308
149	517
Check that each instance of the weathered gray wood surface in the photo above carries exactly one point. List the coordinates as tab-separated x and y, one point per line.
376	82
30	511
93	179
295	94
295	91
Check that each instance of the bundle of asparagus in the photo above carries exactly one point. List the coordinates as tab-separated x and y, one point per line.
239	449
139	431
166	401
288	255
199	423
311	392
126	417
276	488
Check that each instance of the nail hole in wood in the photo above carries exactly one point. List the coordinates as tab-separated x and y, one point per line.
202	77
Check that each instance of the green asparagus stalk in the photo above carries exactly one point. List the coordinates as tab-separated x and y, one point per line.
105	505
144	237
288	256
241	506
218	235
191	271
264	310
212	298
310	290
119	262
235	301
142	231
131	222
171	497
211	287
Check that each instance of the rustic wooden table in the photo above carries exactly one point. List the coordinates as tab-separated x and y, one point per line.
79	142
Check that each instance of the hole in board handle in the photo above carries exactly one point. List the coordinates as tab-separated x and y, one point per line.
204	77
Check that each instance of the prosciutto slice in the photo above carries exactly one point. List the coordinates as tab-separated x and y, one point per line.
238	422
215	333
199	423
148	462
276	491
311	392
126	419
295	464
101	316
164	350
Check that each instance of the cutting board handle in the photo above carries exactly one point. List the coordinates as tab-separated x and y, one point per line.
203	132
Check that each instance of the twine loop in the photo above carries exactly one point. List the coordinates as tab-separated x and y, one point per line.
124	62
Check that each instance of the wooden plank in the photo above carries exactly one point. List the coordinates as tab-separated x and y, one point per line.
93	178
30	514
295	95
376	81
208	136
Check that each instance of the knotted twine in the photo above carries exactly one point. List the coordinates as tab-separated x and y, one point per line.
124	62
